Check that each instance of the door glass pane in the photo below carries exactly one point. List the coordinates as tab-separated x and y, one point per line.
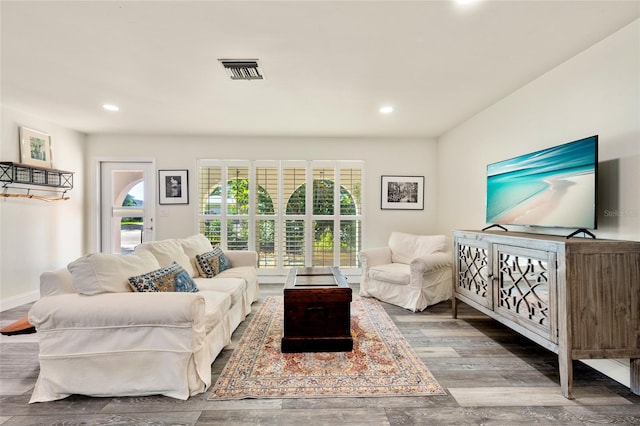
131	226
130	233
127	210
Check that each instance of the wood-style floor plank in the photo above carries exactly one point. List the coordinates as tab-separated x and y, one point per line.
492	375
517	396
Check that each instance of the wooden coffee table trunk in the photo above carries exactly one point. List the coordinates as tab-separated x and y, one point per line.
317	311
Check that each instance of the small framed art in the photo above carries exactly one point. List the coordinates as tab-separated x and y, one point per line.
174	186
402	193
35	148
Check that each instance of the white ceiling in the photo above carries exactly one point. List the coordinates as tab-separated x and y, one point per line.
329	66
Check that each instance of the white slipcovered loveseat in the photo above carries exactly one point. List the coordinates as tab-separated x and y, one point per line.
413	271
99	337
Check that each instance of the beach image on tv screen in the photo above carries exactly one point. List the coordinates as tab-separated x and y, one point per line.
554	187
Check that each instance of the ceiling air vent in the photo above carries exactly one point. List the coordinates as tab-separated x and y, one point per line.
242	69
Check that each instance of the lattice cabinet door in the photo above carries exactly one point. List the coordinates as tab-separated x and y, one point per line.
525	288
472	271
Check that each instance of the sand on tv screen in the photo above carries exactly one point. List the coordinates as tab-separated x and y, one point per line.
554	187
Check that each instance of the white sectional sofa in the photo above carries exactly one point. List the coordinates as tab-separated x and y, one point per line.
99	337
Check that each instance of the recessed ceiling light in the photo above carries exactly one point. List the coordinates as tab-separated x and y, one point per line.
387	109
465	2
110	107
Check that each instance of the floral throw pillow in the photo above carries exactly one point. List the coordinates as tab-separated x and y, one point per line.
212	263
170	278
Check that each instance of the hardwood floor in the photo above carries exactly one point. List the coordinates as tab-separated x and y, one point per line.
492	376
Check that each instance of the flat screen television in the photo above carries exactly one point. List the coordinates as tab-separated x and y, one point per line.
553	187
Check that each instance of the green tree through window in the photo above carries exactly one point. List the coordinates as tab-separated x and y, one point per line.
323	205
129	201
238	204
264	206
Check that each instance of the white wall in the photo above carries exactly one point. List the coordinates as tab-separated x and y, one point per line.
381	157
596	92
37	236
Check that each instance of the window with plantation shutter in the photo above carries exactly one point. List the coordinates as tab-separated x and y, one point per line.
294	206
350	206
210	202
265	198
265	206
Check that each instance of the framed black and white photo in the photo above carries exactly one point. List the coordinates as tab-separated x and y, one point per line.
174	186
35	148
402	193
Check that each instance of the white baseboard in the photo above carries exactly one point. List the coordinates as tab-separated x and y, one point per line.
617	370
19	300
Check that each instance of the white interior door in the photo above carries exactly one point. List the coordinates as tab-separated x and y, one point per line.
127	200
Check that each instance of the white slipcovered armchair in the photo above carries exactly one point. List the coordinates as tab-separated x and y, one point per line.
413	272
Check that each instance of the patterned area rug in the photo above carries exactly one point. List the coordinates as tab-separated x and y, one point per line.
381	364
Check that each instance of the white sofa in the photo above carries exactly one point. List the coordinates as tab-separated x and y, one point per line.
98	337
413	271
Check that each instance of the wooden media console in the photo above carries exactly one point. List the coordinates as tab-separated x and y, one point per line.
578	297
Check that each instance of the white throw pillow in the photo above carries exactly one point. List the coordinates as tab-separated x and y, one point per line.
406	247
168	251
193	246
109	273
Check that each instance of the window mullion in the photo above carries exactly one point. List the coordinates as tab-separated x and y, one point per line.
308	216
336	214
279	248
253	191
223	206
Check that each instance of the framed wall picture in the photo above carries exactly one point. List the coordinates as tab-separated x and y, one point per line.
402	193
35	148
174	186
